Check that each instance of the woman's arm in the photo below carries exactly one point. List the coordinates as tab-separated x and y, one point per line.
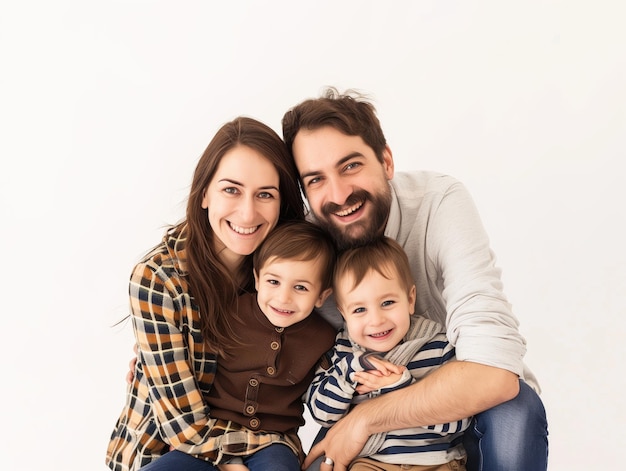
165	359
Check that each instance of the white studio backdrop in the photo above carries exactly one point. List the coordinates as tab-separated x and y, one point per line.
105	107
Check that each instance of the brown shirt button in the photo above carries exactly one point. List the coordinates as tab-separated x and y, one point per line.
271	370
274	345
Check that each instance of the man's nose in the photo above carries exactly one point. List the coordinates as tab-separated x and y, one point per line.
339	191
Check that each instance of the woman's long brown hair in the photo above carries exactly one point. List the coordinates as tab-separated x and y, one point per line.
212	285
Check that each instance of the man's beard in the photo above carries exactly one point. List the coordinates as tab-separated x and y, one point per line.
363	231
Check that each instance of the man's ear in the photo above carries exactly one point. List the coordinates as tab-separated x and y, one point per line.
388	162
323	296
412	298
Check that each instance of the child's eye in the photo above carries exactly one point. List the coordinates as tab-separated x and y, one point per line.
300	288
359	310
387	303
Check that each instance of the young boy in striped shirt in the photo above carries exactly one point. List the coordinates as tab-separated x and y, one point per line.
384	347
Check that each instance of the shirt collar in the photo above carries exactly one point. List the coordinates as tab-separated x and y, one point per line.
176	242
392	229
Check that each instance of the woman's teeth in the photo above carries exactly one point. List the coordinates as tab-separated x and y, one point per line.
243	230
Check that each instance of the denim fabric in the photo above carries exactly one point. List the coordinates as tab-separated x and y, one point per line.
273	457
512	436
177	460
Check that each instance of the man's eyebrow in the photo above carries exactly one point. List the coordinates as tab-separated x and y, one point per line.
339	163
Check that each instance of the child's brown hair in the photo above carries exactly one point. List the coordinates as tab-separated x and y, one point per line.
384	255
298	240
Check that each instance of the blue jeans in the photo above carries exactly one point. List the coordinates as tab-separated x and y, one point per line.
512	436
271	458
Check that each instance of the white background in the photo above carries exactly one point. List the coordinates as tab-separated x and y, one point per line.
106	106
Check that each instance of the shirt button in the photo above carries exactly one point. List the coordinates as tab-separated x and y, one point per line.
271	370
250	410
254	382
279	329
254	423
274	345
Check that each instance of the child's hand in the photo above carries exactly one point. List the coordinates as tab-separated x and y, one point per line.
369	381
384	367
385	374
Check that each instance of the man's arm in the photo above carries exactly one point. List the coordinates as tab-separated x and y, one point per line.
452	392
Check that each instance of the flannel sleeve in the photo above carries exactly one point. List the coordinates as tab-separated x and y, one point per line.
159	316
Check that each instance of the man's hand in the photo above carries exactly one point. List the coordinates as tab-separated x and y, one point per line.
342	444
130	376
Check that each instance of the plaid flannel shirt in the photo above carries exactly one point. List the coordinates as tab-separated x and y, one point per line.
165	404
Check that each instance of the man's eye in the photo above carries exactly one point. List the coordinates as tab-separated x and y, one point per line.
352	165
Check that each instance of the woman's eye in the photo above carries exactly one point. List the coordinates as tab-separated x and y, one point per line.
273	282
266	195
231	190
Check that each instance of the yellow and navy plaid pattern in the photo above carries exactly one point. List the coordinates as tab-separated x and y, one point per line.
165	404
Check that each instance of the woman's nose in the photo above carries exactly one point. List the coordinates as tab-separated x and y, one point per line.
248	209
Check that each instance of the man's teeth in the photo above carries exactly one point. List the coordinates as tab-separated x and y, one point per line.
350	210
243	230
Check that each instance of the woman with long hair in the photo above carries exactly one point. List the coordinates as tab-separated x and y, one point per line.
183	293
